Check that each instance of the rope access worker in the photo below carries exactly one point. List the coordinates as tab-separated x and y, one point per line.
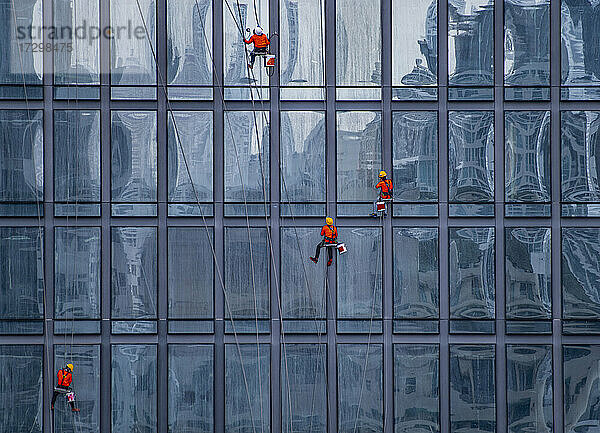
330	234
261	45
64	385
387	189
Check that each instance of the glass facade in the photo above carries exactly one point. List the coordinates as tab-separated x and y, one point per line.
160	200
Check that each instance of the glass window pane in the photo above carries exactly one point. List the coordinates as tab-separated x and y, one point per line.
253	13
76	156
191	273
471	156
246	279
529	388
132	60
302	295
471	43
358	43
19	64
247	387
21	160
526	43
77	260
360	388
22	278
581	387
133	388
80	64
246	151
472	273
133	269
302	156
580	28
416	273
302	45
194	133
359	274
415	148
580	278
134	156
86	385
472	388
21	396
414	42
528	272
416	388
189	42
358	154
304	388
527	156
191	392
580	156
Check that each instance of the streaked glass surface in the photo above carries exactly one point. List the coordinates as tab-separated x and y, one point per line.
471	156
133	272
529	388
358	43
77	156
302	156
303	388
415	155
527	156
358	154
472	388
133	388
19	64
189	42
191	135
580	156
86	384
302	45
133	156
359	274
24	362
80	64
416	388
360	388
247	387
528	273
246	273
416	273
190	273
580	273
22	278
191	388
581	387
414	42
133	43
526	42
580	27
303	294
247	151
77	272
472	273
471	42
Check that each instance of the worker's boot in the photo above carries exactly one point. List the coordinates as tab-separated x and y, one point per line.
314	260
329	262
75	409
52	407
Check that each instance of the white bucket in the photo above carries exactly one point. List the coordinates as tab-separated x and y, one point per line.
342	248
71	397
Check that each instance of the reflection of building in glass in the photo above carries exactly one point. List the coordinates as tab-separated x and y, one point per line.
580	156
471	156
527	159
415	161
471	29
582	385
426	75
527	42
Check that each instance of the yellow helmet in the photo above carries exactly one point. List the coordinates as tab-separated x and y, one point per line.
70	366
382	174
329	221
